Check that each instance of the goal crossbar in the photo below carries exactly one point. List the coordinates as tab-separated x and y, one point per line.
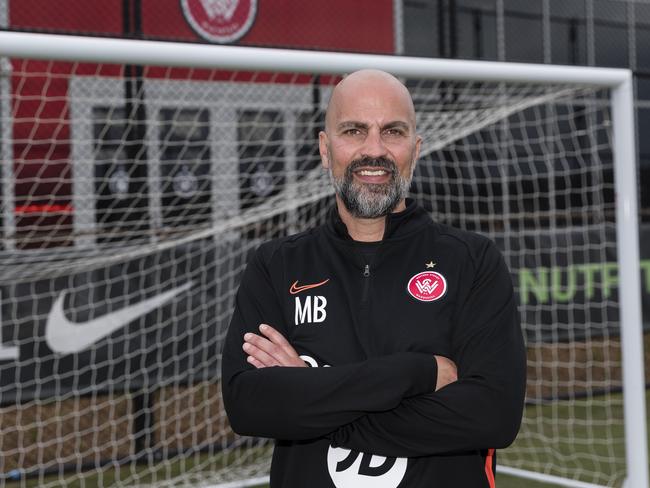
618	81
153	53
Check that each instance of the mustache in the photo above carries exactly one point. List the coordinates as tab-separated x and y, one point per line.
381	162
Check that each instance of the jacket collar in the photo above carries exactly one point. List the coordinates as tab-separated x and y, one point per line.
397	224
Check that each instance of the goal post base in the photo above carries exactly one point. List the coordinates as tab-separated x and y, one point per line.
545	478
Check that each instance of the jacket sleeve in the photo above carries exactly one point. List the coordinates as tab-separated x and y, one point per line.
481	410
304	403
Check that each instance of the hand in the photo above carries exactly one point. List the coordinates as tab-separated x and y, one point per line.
271	350
447	372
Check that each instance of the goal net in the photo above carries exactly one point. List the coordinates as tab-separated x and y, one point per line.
133	195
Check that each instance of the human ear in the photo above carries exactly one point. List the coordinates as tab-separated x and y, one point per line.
323	143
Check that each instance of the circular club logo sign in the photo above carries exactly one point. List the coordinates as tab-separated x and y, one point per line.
220	20
427	286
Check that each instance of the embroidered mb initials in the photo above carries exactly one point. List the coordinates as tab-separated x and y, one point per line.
310	310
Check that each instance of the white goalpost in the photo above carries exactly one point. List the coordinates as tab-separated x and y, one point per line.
144	174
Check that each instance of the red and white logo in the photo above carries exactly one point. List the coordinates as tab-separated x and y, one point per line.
427	286
220	21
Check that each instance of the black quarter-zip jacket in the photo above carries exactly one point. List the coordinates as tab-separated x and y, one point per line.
364	316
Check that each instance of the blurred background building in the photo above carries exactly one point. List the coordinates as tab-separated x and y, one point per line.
612	33
608	33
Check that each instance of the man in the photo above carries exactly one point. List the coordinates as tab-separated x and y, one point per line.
410	327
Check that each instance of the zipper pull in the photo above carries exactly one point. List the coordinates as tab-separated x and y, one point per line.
366	271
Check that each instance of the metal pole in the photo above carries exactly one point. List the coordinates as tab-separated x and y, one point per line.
545	478
627	231
7	181
157	53
398	26
135	130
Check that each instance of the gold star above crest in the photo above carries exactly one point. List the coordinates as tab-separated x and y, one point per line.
430	264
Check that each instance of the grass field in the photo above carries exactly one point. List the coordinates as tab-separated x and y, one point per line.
557	456
590	442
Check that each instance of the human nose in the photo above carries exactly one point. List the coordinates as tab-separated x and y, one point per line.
374	145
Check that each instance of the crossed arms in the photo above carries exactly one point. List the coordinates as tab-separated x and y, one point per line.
273	349
401	405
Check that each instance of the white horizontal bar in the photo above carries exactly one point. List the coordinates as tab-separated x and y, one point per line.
243	483
545	478
153	53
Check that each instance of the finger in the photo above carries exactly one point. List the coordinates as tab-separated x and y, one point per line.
278	339
282	350
259	355
255	362
280	356
273	335
266	345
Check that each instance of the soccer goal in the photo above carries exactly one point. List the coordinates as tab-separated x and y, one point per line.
138	176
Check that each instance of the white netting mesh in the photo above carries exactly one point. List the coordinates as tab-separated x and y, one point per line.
136	196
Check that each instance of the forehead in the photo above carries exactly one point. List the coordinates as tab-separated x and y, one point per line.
372	101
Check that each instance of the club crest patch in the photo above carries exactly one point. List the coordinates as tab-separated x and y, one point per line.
221	21
427	286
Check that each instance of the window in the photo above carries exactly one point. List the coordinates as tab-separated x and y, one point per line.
185	166
120	176
260	142
260	137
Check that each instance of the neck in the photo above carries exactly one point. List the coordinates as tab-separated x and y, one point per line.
365	230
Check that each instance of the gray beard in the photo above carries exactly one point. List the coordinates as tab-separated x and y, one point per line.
370	201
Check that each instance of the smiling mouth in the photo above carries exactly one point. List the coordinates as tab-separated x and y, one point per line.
373	175
372	172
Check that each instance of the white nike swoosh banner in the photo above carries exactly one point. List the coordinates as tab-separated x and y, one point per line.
66	337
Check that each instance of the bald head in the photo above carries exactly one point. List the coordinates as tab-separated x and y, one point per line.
369	86
369	144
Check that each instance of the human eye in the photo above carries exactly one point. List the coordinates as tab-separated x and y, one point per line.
352	131
395	132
